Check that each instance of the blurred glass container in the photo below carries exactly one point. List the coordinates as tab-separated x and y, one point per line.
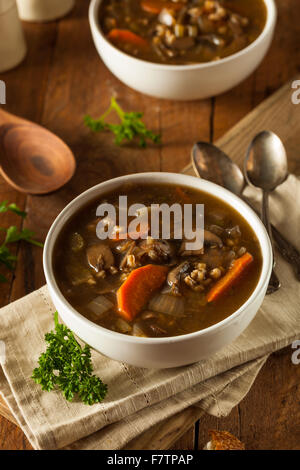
12	42
44	10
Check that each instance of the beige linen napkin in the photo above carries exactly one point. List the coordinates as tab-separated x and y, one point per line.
140	398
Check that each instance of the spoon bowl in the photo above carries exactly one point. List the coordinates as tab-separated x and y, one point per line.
266	162
211	163
32	159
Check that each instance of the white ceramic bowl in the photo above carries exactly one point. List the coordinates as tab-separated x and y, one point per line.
183	82
159	352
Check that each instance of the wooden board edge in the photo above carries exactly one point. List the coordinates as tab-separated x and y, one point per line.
6	413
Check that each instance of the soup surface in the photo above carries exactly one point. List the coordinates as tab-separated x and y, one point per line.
154	287
182	31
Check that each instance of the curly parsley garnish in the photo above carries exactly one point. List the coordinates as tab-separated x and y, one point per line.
130	127
13	235
68	366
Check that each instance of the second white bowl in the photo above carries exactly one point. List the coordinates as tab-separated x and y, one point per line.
182	82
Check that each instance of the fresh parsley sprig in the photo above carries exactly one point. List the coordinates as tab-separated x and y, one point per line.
13	235
68	366
130	127
4	207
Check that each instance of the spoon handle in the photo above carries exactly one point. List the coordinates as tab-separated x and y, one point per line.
7	118
265	217
274	283
286	249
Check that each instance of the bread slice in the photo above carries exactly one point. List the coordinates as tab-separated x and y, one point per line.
223	440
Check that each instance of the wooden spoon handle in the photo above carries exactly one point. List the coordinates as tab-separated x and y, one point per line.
8	118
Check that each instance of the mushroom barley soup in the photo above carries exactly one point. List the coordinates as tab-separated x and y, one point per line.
154	287
182	31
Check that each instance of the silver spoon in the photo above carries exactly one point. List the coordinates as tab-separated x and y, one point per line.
213	164
265	167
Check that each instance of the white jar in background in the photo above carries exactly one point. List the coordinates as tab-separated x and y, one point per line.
12	42
44	10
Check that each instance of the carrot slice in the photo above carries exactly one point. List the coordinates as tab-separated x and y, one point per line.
124	35
155	6
138	288
238	267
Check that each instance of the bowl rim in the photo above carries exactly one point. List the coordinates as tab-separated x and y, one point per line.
270	23
163	177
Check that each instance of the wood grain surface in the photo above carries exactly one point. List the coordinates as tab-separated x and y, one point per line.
62	79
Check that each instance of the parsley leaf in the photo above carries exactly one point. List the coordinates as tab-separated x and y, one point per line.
130	127
13	235
11	207
6	257
68	366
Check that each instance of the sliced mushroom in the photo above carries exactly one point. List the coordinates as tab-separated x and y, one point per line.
100	257
234	232
206	26
183	43
157	250
148	315
174	276
216	229
157	330
235	24
210	239
238	43
212	40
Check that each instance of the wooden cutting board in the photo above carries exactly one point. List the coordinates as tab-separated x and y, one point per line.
280	115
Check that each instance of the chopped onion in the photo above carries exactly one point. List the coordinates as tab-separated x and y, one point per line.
123	326
169	304
100	305
137	331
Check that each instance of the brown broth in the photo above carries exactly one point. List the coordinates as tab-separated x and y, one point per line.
198	313
189	40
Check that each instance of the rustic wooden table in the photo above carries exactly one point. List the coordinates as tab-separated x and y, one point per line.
63	78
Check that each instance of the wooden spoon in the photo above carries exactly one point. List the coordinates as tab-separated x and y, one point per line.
32	159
